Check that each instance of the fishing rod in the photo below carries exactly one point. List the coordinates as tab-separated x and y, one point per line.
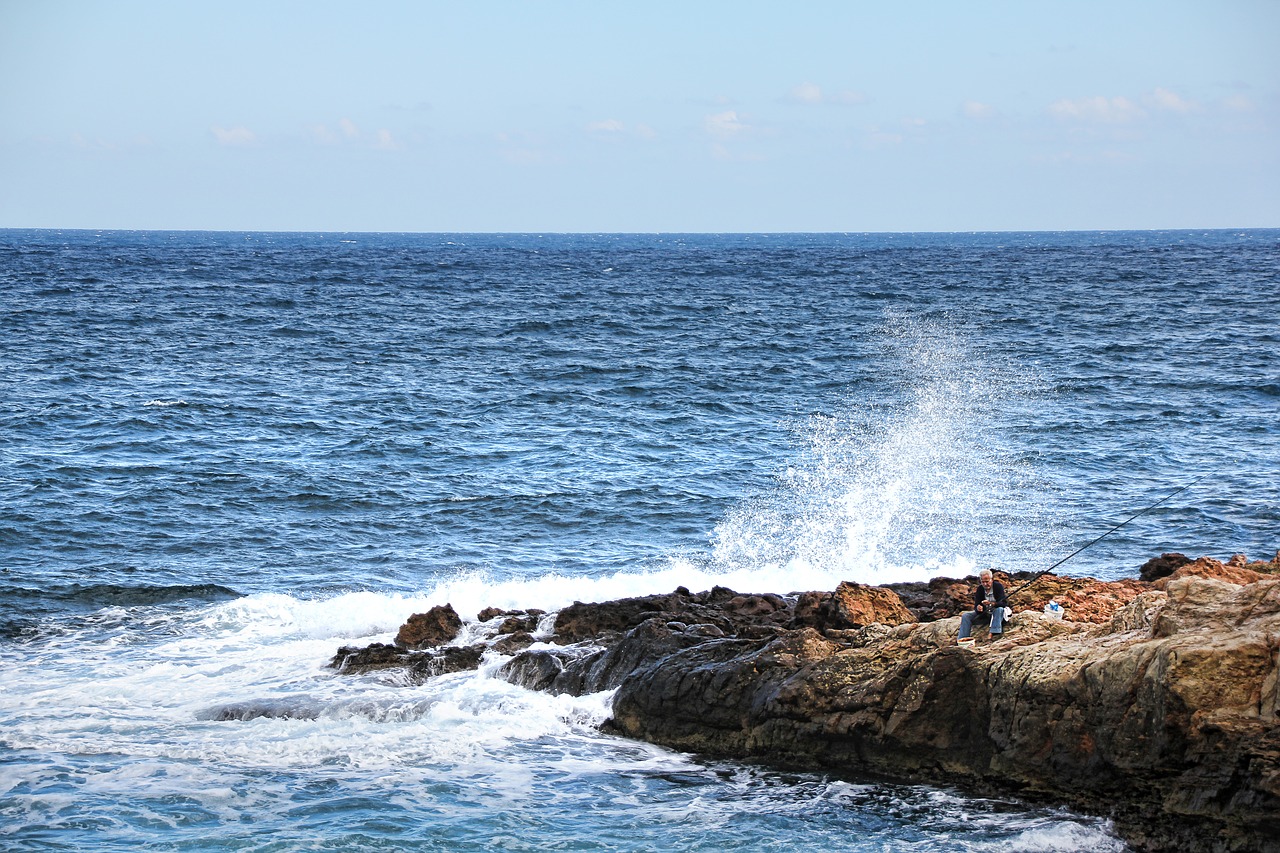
1105	535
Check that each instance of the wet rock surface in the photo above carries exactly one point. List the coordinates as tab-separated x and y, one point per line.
436	627
1153	701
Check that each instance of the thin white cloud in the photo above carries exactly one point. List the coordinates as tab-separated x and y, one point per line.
346	132
877	138
523	148
323	134
1098	109
609	125
812	93
807	93
234	137
978	111
847	97
385	141
1171	101
612	128
1239	104
726	124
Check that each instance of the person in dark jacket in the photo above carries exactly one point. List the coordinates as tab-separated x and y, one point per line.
989	601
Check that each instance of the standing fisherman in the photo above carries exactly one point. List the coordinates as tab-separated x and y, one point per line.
989	601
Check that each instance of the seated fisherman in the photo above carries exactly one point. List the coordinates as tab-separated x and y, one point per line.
989	601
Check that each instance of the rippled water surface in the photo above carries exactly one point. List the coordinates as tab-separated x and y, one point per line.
224	455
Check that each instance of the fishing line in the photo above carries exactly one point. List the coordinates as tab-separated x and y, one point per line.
1105	535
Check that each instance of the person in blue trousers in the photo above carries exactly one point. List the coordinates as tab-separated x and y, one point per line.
989	601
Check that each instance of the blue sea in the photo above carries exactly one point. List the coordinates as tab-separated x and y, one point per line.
224	455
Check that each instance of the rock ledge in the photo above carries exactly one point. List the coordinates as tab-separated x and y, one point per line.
1154	702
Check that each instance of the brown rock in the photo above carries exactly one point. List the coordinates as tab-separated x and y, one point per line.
863	605
1162	566
353	661
444	661
1083	599
1164	718
1236	571
518	623
753	607
852	605
436	627
943	597
514	643
582	621
1155	703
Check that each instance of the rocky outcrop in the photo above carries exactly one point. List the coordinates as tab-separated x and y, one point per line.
1155	703
852	605
1164	717
1162	566
436	627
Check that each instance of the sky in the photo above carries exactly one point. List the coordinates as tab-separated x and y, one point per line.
655	116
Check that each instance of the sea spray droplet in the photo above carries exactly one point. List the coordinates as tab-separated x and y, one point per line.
917	482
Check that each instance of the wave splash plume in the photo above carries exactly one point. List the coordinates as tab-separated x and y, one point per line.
917	481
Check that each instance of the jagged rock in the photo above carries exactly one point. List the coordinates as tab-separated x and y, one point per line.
650	641
529	616
535	669
518	623
720	607
755	607
437	626
353	661
1162	566
1139	614
444	661
1237	570
1164	718
1155	703
1084	599
592	621
852	605
940	598
513	643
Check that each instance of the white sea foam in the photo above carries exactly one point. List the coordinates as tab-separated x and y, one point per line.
268	654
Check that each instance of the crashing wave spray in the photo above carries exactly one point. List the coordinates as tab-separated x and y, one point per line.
920	475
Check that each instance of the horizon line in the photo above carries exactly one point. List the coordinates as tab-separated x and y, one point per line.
556	233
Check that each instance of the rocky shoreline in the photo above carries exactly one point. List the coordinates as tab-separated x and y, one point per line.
1153	702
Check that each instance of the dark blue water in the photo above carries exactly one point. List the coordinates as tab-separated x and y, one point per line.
222	455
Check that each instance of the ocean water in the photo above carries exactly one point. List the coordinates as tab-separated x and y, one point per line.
223	455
